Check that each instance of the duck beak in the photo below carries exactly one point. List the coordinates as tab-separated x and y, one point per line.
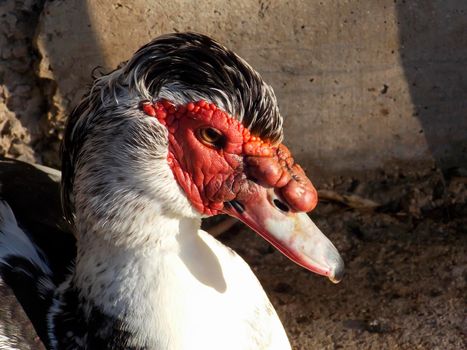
292	233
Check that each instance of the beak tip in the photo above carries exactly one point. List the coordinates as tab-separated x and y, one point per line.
338	272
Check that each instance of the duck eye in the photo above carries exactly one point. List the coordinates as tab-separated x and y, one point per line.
211	137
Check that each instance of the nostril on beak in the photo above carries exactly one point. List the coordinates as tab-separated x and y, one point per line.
281	205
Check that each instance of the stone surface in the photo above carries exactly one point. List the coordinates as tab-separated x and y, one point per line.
362	85
21	102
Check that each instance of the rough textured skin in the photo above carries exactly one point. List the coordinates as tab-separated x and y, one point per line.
280	171
233	166
161	69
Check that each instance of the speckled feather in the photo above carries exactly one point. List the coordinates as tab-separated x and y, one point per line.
141	261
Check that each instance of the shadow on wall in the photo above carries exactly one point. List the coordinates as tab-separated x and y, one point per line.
434	57
69	49
75	34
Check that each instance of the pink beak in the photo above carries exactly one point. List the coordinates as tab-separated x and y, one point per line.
292	233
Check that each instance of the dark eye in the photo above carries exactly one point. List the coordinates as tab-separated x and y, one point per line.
211	137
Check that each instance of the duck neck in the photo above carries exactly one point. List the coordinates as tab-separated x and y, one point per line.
112	273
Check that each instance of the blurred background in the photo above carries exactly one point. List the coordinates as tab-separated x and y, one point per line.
374	96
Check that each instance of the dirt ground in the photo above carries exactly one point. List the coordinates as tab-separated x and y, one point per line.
406	269
403	238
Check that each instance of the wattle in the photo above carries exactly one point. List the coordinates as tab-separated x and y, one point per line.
210	177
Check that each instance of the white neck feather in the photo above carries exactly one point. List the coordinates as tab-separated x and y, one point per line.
184	289
108	271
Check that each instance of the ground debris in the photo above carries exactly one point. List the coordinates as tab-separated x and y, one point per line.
371	326
350	200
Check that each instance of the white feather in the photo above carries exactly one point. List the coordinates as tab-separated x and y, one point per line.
5	341
183	291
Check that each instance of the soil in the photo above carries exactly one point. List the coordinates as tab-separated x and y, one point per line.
406	269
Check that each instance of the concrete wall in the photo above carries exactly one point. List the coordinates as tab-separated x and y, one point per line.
363	85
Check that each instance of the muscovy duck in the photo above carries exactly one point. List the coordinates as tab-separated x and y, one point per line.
185	129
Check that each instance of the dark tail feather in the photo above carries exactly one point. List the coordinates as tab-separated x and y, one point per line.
25	270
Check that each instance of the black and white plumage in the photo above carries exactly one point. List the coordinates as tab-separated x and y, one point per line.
143	275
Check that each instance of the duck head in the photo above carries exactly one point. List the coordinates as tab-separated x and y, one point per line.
188	129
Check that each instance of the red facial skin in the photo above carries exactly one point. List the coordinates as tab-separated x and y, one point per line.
211	174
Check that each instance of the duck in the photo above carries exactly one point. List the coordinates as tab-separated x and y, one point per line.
184	130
